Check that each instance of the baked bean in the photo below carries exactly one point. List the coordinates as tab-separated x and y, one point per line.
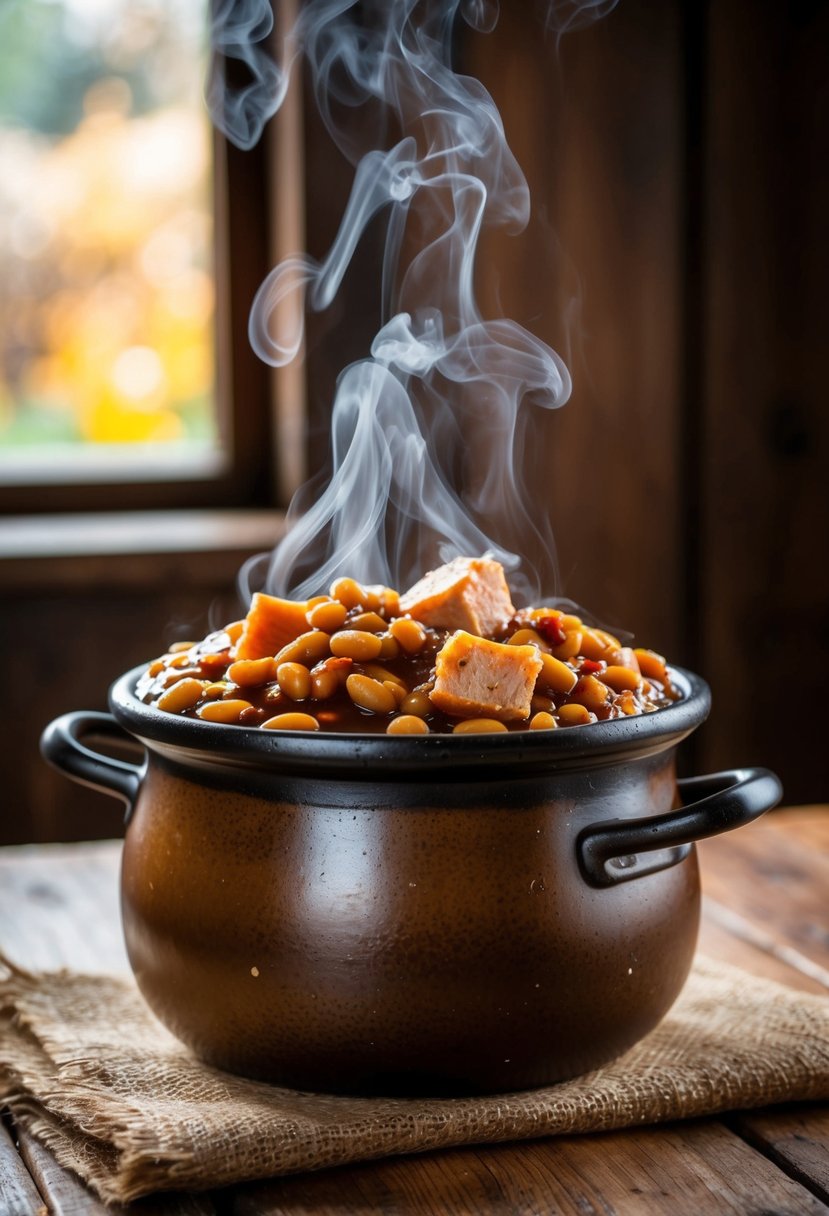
348	592
291	722
212	691
368	622
651	664
591	693
328	677
294	680
355	644
155	667
407	724
234	631
324	684
218	659
397	690
327	616
610	640
543	721
389	646
378	672
527	637
410	634
598	646
570	647
620	678
479	726
389	603
555	675
179	646
307	648
353	595
184	694
371	694
574	715
223	711
250	672
416	704
181	658
540	704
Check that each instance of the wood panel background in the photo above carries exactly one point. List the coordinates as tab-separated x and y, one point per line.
678	258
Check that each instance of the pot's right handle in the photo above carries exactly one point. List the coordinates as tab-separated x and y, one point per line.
608	853
62	745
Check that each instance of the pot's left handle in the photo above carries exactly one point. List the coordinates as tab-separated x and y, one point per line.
62	744
610	853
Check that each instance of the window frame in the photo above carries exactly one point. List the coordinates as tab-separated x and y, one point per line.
244	389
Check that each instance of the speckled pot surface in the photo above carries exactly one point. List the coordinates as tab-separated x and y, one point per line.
369	915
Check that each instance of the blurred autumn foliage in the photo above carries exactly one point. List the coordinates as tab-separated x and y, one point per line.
106	288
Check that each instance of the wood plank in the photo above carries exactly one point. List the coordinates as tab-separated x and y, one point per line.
775	875
18	1194
696	1169
67	1195
59	907
797	1139
65	646
765	427
727	936
755	937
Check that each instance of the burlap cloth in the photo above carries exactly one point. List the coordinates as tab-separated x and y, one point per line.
87	1069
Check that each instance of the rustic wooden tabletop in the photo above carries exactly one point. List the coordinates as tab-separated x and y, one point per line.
765	909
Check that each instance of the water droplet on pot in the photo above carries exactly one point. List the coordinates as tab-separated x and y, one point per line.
623	863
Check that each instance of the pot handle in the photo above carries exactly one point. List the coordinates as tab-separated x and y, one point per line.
609	853
62	745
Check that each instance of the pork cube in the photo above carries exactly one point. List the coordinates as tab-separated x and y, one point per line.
479	678
468	593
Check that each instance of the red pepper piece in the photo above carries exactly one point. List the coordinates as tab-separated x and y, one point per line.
550	629
589	667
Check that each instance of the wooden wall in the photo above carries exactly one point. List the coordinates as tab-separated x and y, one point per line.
70	625
678	255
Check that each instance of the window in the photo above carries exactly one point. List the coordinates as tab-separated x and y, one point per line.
108	259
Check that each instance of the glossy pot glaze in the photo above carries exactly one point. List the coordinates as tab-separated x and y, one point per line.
431	914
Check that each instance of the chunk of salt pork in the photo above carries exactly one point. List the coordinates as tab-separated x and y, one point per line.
469	593
479	678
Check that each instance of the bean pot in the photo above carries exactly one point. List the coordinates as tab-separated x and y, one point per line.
436	914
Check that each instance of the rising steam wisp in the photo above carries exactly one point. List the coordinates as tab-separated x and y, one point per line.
409	420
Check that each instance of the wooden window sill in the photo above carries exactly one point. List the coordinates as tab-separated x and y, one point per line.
135	548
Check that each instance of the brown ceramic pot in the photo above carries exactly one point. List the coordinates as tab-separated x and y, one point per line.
431	914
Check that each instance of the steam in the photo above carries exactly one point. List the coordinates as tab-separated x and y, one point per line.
440	402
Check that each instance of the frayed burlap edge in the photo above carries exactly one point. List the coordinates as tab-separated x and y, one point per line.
87	1070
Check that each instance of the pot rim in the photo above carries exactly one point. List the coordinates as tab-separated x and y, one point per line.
195	742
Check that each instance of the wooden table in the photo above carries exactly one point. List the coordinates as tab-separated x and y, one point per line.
765	909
